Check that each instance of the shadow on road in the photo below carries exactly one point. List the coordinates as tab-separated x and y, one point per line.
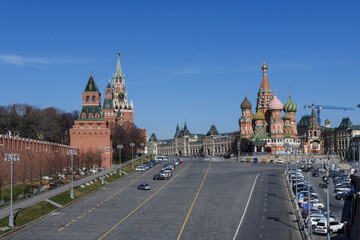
275	195
277	219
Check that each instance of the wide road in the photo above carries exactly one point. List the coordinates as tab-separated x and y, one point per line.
204	199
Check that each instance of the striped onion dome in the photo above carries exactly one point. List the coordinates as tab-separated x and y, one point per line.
275	104
287	117
259	116
290	106
246	104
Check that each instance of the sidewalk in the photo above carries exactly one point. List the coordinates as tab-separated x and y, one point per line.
5	211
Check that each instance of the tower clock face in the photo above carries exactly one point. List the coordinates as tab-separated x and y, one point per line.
121	96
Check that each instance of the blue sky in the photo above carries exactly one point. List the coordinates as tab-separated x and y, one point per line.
183	60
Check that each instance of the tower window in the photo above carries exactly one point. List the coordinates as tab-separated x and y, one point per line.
108	93
87	99
93	98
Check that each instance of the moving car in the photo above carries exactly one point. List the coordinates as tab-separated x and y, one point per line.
144	186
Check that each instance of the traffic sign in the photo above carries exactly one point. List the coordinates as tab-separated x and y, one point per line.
305	206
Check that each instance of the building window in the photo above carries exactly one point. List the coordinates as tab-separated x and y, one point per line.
81	126
90	115
99	126
87	99
90	126
108	93
93	98
83	115
96	115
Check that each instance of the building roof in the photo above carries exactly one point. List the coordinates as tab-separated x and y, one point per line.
265	86
313	123
108	104
91	85
118	72
213	131
304	121
94	110
346	123
153	138
287	117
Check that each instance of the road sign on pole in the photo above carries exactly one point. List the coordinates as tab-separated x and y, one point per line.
305	206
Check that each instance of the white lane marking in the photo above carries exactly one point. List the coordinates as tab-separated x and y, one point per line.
247	204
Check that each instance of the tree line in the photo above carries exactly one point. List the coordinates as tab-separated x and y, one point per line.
28	121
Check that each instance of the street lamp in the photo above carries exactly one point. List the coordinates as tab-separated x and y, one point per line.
120	147
132	145
102	149
11	157
142	156
353	146
238	146
72	152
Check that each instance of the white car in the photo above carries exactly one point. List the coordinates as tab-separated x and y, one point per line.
280	160
335	226
140	168
242	159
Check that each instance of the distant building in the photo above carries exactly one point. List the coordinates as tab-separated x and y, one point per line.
92	129
266	130
185	143
310	133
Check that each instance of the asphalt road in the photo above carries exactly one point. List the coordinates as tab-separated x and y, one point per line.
204	199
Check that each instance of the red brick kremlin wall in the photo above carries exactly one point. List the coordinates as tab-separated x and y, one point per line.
34	155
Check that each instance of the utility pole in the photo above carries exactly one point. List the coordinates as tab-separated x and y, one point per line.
296	186
142	156
309	195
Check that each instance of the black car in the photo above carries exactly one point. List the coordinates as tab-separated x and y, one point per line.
160	177
315	174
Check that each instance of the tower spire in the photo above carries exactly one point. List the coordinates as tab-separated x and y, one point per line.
118	67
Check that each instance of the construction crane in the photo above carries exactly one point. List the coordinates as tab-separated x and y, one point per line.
320	107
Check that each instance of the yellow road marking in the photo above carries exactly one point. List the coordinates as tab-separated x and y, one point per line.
142	175
287	190
79	217
73	220
60	229
192	205
144	202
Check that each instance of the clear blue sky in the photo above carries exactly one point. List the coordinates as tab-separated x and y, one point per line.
183	60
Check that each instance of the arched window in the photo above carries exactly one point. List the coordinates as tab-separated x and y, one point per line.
108	93
315	133
83	115
87	99
96	115
91	115
93	98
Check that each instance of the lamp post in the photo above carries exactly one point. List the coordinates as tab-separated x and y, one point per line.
353	146
287	147
132	145
296	186
72	152
238	148
120	147
309	212
142	156
102	149
11	157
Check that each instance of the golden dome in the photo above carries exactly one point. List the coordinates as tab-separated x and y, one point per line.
327	121
264	66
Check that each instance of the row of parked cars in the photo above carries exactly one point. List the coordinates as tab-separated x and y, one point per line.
167	170
146	166
342	185
318	213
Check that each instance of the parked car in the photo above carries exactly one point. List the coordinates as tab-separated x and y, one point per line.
161	177
242	159
345	194
335	226
280	160
140	168
264	160
144	186
315	174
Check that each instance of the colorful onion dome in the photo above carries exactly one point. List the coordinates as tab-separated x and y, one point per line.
275	104
246	104
290	106
286	117
259	116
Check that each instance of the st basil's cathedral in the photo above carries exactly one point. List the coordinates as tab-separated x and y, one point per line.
266	130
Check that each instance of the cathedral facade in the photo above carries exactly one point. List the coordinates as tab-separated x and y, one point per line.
267	130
